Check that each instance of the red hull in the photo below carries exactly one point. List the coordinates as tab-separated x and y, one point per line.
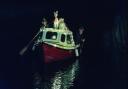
52	54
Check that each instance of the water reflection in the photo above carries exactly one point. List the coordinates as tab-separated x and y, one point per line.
61	79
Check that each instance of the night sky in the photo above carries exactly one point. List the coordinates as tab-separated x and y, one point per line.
20	20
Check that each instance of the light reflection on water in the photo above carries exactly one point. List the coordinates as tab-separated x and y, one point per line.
63	79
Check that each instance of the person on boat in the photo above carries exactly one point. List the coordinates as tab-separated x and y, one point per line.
56	21
44	24
80	38
62	24
39	34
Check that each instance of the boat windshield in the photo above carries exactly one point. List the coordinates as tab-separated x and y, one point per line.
51	35
69	39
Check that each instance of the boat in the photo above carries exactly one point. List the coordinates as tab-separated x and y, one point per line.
57	43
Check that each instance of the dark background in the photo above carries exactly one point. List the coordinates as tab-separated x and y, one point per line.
104	61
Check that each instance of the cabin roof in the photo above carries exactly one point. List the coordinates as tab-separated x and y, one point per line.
57	30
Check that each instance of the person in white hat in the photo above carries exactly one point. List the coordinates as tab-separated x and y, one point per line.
56	21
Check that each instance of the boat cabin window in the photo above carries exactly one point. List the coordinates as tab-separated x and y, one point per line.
69	39
63	38
51	35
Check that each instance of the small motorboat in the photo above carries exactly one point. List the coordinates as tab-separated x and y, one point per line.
57	44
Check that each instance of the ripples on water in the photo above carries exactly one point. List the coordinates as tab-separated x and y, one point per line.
61	79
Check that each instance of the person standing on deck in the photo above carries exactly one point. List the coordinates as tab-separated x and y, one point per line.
44	24
62	24
56	21
80	38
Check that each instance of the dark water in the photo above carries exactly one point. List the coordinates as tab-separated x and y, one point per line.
104	61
